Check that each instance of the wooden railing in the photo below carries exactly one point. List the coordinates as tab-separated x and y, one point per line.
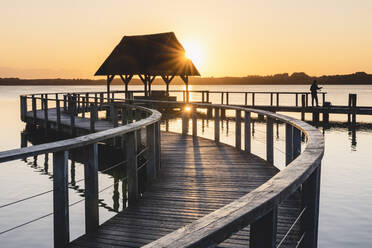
250	96
258	209
127	135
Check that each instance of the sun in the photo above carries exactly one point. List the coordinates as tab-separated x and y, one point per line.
194	52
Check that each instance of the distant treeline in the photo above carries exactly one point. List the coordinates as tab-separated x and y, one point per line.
285	78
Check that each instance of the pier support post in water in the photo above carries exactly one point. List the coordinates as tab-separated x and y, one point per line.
132	175
91	188
310	201
247	132
326	108
238	128
269	140
60	199
352	108
315	117
288	143
217	124
263	230
23	107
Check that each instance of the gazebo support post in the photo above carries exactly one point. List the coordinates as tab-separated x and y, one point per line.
144	81
109	80
126	79
150	79
185	78
167	79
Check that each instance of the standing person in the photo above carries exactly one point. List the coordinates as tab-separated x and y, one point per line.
314	93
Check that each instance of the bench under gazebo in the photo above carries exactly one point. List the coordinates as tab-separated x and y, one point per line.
148	56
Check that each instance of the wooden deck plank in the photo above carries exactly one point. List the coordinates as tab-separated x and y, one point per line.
194	181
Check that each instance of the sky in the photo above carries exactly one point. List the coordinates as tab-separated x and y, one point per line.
71	38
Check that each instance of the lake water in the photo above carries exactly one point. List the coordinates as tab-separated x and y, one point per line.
346	185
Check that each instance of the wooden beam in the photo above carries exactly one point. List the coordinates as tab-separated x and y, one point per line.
167	79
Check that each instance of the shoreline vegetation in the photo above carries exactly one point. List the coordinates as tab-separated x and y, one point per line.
297	78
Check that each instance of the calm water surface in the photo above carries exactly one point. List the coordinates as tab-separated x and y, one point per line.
346	185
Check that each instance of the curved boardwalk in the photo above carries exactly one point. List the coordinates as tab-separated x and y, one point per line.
196	178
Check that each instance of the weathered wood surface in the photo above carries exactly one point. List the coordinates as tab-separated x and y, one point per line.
197	177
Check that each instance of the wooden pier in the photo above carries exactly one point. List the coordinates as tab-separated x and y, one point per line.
198	192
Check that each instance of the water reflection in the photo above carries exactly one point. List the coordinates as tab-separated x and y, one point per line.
109	156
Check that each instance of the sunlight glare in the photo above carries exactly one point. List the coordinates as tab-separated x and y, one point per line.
194	52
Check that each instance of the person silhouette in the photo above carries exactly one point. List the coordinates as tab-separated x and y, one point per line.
314	93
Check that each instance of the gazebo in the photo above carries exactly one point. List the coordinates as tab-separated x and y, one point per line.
148	56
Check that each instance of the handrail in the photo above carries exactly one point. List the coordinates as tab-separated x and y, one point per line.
126	137
258	207
80	141
220	224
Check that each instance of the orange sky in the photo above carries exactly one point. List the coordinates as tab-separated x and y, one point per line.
70	39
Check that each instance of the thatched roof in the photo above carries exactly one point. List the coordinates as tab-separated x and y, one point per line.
154	54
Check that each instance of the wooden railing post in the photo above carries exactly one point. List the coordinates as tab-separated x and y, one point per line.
64	103
60	199
247	131
58	109
277	99
253	99
45	107
132	175
34	109
303	105
310	200
221	97
227	98
245	98
93	117
114	114
101	100
296	143
238	129
151	158
23	105
269	140
288	143
194	123
91	188
83	106
263	231
207	96
296	99
157	145
71	106
271	99
307	99
217	124
41	101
